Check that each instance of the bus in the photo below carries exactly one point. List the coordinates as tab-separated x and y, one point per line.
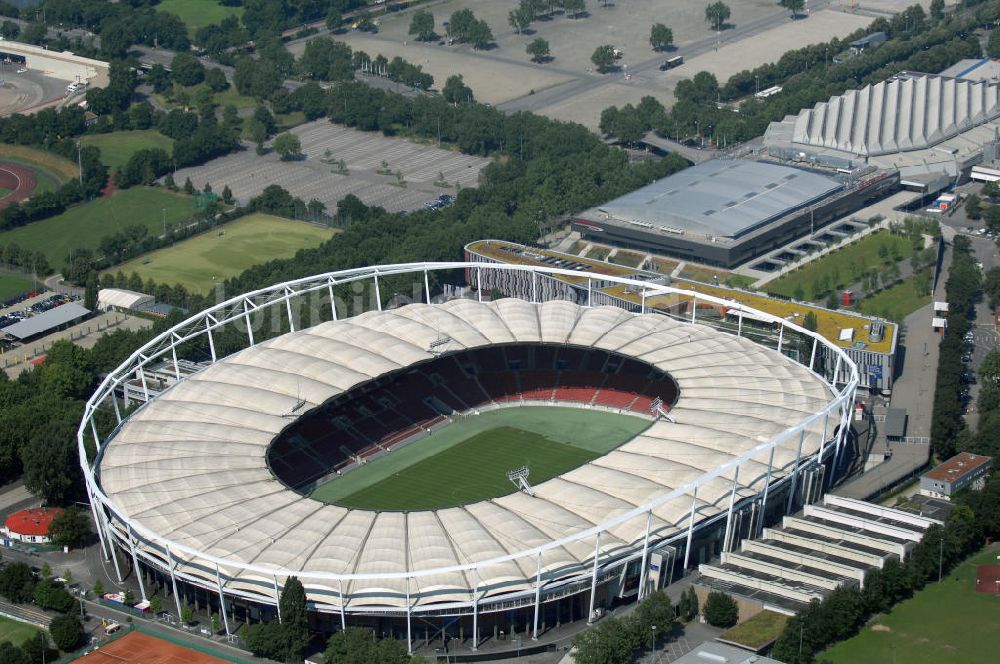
670	63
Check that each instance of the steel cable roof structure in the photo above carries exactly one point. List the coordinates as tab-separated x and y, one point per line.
182	484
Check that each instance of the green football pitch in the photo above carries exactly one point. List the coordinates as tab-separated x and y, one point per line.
467	461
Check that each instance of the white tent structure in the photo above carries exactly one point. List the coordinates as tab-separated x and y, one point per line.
118	299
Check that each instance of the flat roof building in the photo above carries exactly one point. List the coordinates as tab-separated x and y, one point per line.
962	470
723	212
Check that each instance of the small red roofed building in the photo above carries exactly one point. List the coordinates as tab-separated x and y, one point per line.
962	470
30	525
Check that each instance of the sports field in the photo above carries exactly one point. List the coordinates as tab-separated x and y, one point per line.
15	632
64	169
83	226
945	623
467	461
12	285
198	13
196	263
119	146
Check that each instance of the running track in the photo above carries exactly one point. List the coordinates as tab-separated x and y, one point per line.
19	179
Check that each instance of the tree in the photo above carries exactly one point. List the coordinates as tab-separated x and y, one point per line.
357	645
334	19
603	57
456	91
98	588
155	604
480	35
66	632
973	206
721	610
519	18
216	80
538	49
287	145
794	6
267	640
50	594
717	14
187	70
611	642
660	37
422	25
45	570
294	619
227	195
17	583
216	623
187	614
937	9
574	7
993	44
692	604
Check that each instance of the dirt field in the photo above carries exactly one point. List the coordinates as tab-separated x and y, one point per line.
362	153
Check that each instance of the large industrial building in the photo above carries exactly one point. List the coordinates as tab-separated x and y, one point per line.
727	212
202	488
922	125
869	342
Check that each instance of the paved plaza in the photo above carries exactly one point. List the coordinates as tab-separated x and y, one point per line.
315	176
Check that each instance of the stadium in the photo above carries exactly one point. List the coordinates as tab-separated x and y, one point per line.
479	464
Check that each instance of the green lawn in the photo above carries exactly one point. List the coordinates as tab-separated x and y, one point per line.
225	252
844	267
16	632
945	623
627	258
118	146
13	285
895	302
468	460
756	632
83	226
198	13
598	253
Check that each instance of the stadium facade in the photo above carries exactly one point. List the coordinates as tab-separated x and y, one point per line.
188	489
728	212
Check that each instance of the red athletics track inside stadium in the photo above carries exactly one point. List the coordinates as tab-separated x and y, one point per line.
19	179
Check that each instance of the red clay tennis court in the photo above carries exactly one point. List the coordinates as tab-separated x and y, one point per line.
988	579
138	647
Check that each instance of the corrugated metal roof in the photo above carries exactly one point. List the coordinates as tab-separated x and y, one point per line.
45	321
720	198
910	112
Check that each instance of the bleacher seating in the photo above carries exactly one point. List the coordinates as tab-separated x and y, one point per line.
389	410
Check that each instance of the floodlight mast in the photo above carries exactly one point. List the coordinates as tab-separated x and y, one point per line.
658	409
519	476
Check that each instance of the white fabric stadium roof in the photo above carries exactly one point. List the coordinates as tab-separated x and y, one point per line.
909	112
191	464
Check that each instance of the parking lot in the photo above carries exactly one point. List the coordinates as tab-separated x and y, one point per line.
27	90
318	175
568	87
